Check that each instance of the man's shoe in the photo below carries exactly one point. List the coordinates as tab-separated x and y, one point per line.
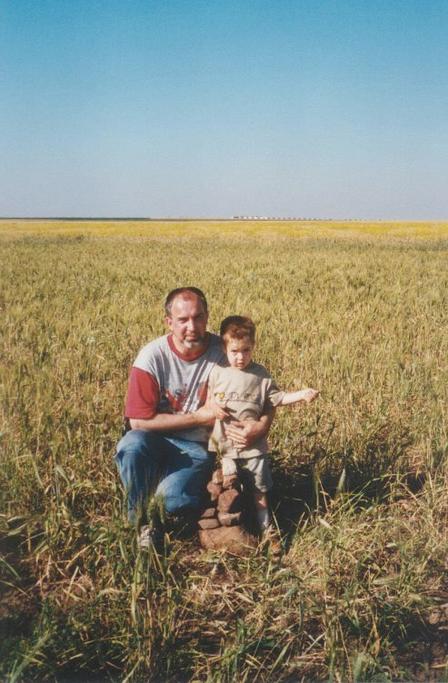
149	537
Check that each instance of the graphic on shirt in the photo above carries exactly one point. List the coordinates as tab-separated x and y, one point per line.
177	398
251	397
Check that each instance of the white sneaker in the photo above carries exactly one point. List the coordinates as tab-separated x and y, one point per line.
146	537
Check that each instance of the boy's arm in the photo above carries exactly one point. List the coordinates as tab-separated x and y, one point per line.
303	396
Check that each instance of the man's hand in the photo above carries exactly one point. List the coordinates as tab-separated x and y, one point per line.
205	415
244	434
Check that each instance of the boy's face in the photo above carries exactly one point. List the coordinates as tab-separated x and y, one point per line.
239	352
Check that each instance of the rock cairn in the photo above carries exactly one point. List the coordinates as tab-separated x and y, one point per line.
221	524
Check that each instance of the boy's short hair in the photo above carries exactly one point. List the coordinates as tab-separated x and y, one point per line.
237	327
185	292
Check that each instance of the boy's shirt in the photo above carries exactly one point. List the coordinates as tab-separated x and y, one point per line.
244	394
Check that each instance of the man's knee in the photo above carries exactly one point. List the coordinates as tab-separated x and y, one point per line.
138	456
137	443
137	459
186	487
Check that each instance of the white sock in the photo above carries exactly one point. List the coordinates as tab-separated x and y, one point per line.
263	518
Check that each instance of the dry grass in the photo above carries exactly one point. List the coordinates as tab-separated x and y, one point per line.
262	229
359	311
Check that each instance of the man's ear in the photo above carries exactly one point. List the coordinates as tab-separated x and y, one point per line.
169	322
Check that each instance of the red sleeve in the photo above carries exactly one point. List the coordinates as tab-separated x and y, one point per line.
143	395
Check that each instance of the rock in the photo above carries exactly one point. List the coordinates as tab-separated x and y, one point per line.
229	501
208	523
214	490
217	476
230	481
209	512
229	518
234	539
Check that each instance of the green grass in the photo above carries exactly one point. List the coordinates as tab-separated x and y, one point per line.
357	310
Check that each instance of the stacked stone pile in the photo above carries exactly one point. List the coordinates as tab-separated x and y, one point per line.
221	523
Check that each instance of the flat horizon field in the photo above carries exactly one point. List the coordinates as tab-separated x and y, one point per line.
360	311
14	227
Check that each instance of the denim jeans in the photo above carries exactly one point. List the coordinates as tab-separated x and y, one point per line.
177	470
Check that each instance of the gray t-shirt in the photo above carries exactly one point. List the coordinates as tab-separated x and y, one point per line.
245	394
181	384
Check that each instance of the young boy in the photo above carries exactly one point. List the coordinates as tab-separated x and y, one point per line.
239	391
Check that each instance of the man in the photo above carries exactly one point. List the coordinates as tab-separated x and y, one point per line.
165	450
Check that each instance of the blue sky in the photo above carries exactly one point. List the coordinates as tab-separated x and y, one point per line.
171	108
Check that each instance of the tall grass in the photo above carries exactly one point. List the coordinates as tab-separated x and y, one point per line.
360	476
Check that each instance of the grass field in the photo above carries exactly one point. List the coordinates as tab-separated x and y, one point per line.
359	311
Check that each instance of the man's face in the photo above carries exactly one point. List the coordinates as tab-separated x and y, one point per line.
188	322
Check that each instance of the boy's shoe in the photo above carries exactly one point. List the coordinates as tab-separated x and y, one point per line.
271	540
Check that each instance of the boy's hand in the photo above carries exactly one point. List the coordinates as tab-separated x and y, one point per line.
219	412
309	395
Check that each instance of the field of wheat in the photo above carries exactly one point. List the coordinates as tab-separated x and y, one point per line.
357	310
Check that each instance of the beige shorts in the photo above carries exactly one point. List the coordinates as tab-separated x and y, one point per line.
257	469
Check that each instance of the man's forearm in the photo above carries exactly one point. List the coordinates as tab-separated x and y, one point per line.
165	422
264	423
245	433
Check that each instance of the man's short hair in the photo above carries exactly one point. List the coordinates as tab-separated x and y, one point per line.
237	327
184	291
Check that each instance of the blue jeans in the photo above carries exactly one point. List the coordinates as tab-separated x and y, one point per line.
175	469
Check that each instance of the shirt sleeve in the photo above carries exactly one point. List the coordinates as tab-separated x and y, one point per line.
274	395
143	395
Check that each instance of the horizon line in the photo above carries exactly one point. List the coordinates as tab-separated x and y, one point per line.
221	218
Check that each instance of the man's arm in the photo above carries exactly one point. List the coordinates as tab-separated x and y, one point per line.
141	407
165	422
244	434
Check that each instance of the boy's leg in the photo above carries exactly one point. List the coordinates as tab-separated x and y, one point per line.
259	475
229	466
138	459
185	472
262	508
